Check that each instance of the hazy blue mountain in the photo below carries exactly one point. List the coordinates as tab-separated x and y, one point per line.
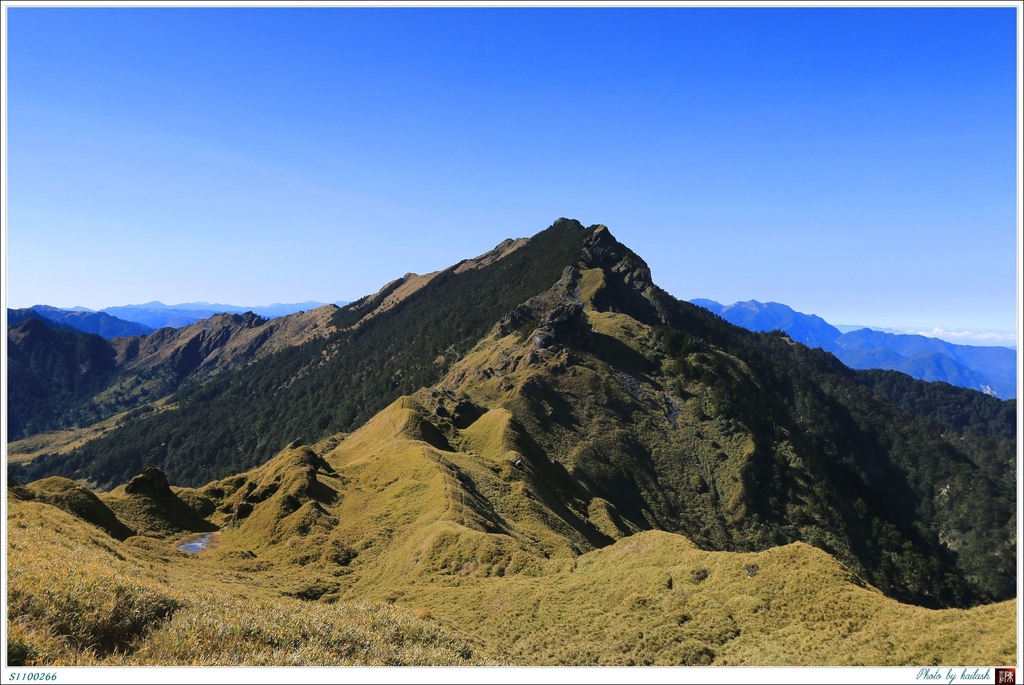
869	358
903	344
989	369
998	360
16	316
100	323
935	366
159	315
158	318
769	316
846	328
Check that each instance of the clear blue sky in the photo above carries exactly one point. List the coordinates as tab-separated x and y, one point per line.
859	164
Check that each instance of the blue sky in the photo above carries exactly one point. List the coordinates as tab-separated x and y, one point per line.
855	163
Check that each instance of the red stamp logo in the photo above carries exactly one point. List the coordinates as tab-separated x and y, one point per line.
1006	676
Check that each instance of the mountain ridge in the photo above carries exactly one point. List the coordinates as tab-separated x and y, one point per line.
135	370
641	411
152	382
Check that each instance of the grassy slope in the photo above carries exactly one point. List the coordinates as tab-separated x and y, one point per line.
641	602
79	597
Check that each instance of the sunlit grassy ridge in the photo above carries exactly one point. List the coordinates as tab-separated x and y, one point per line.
654	599
78	597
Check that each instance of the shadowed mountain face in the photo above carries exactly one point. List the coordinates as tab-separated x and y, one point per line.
992	370
51	371
556	400
62	378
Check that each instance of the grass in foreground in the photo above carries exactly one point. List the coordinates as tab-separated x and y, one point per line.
77	597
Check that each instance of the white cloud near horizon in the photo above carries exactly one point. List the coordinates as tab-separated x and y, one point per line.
970	337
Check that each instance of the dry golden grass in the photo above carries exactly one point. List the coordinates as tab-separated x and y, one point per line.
283	632
69	582
79	597
637	603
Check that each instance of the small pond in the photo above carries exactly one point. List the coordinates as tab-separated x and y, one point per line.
196	545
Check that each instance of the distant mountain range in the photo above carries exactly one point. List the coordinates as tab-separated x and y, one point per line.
992	370
100	323
142	319
160	315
